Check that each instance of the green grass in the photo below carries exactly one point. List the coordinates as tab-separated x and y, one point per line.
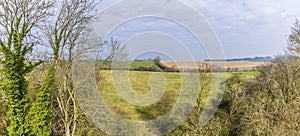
134	64
139	81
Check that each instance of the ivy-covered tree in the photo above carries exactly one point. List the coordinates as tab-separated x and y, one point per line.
40	111
19	21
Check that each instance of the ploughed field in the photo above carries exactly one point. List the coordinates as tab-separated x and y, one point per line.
217	65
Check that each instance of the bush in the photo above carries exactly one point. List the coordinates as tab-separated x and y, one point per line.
272	102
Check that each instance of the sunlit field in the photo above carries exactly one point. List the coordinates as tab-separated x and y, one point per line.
139	81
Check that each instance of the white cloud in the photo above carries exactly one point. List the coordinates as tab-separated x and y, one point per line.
256	24
245	27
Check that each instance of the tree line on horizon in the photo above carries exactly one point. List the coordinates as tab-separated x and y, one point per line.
253	59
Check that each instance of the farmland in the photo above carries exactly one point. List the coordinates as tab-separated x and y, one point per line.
140	80
140	83
205	65
173	66
135	65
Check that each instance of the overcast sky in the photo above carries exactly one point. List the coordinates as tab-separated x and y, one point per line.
244	28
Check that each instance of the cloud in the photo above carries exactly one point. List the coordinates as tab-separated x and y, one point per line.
261	26
244	27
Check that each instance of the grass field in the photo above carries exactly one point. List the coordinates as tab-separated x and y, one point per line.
133	65
140	83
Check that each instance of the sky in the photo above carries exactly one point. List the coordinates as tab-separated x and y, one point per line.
204	28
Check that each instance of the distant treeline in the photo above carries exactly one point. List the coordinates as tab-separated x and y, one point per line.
255	59
156	66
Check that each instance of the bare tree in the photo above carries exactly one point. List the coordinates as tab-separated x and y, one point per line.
67	36
294	39
115	50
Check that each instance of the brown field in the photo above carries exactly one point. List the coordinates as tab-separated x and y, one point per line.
204	65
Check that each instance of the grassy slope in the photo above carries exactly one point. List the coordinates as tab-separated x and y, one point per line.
140	83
